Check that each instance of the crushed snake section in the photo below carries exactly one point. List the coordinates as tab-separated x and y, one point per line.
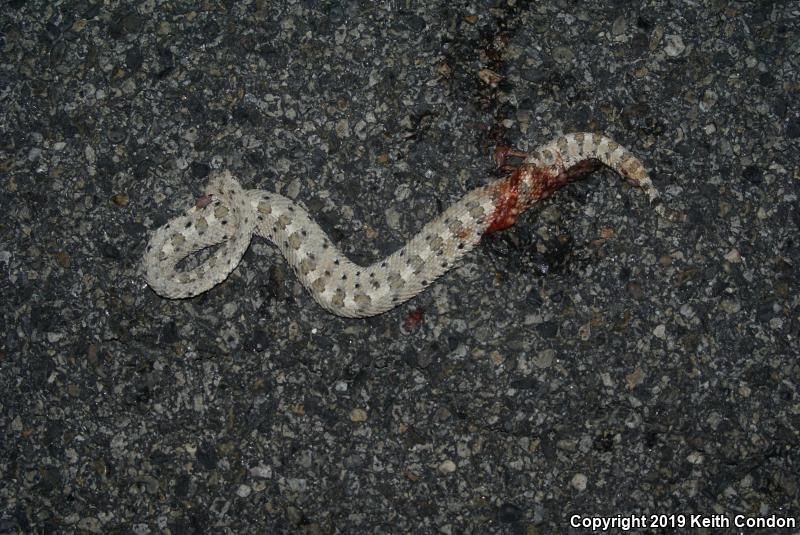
228	215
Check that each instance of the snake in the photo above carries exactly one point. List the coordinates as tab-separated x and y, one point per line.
227	216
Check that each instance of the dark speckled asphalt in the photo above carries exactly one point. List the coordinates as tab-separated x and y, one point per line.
593	360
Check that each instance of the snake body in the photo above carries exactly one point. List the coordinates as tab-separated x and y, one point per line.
229	215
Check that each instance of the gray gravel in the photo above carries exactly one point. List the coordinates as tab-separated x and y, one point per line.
595	359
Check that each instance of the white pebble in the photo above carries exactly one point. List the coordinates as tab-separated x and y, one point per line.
660	331
674	46
579	482
447	467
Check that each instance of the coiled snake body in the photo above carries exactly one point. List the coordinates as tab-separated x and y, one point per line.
229	215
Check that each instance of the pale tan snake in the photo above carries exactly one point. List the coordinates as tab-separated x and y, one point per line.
229	215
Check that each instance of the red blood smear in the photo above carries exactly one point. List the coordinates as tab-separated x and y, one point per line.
506	204
413	320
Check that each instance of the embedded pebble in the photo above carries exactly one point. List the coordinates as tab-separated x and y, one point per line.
674	46
660	331
544	358
620	25
563	55
358	415
733	256
579	482
447	467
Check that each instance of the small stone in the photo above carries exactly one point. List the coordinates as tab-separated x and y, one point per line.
489	77
297	484
695	457
90	154
293	189
655	38
620	25
120	199
674	46
447	467
358	415
263	472
524	365
243	491
392	218
63	259
497	358
100	467
585	332
709	99
635	378
660	331
343	128
733	256
579	482
731	307
90	524
544	358
563	55
570	445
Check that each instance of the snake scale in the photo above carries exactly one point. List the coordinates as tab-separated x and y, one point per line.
229	215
